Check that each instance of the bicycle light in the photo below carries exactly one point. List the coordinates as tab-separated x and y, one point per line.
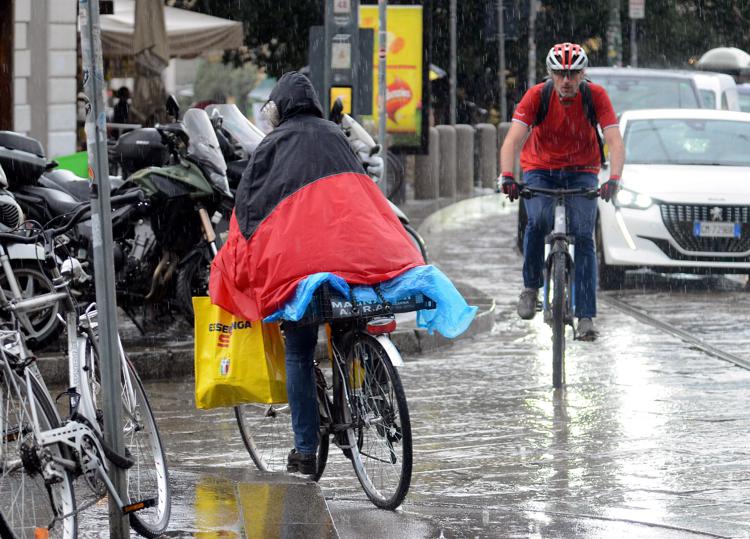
380	326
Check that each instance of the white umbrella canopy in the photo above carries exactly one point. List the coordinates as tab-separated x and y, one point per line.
724	59
189	34
151	57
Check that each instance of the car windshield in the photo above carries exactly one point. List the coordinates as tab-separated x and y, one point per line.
241	129
744	102
633	92
691	141
708	97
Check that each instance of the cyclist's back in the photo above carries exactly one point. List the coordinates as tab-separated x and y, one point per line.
562	151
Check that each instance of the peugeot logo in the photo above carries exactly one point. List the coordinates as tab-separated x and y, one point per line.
716	214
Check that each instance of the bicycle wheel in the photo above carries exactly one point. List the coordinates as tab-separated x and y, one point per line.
380	437
28	504
559	302
266	431
148	477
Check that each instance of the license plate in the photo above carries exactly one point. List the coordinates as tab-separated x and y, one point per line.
711	229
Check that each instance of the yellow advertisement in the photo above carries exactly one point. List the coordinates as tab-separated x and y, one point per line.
404	50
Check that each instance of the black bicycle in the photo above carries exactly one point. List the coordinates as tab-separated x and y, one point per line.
362	406
559	271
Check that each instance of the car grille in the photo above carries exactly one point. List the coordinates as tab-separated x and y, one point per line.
680	218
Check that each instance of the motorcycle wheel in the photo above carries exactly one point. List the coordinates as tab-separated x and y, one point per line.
45	325
192	280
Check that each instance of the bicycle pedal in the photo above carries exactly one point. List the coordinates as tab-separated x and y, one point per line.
539	306
137	506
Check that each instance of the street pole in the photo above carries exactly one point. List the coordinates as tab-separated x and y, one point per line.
533	8
454	44
104	273
382	90
501	62
614	35
633	44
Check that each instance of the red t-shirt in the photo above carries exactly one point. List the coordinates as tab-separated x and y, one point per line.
565	139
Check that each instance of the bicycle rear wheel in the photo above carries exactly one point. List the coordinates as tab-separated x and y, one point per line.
559	303
148	477
380	437
27	503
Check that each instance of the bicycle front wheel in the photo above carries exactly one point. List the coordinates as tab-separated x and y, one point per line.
380	437
559	303
31	507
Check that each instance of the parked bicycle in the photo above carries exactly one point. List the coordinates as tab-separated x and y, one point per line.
41	453
362	407
559	271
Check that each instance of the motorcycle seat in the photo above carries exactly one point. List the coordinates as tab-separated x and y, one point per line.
75	186
59	202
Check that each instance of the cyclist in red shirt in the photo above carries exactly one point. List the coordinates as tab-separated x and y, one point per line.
562	151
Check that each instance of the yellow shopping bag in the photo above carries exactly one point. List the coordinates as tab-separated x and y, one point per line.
236	361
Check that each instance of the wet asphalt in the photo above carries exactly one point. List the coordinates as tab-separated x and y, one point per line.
648	439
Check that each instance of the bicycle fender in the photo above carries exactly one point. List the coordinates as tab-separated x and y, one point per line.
391	350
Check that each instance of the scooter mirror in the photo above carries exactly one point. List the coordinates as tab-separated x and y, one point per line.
337	110
173	107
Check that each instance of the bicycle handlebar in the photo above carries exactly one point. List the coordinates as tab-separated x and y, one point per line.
133	196
530	192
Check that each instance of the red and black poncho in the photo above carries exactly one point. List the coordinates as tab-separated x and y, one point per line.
304	205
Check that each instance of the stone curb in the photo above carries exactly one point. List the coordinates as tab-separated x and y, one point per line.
174	359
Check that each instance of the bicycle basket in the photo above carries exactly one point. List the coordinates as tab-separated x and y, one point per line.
327	304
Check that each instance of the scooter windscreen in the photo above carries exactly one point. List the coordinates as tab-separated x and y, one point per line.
242	130
204	148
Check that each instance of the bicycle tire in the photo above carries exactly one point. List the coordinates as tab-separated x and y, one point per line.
26	502
417	241
559	303
266	431
380	422
148	477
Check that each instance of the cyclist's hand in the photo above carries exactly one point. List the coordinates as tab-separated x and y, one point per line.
509	186
609	189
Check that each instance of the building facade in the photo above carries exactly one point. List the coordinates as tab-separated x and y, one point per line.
43	61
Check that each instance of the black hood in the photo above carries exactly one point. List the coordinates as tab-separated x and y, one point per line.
294	94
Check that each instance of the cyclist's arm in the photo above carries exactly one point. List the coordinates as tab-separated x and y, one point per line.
512	145
613	138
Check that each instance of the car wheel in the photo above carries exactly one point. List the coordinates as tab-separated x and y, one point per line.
610	277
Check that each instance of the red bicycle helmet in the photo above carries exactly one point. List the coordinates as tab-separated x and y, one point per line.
567	56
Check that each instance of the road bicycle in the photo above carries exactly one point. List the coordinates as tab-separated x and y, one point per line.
42	453
559	271
363	407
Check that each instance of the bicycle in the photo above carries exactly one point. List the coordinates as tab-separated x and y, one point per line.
559	270
363	409
41	453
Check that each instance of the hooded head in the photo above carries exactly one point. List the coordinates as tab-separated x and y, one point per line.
293	95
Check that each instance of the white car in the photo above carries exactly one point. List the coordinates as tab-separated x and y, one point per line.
684	205
717	90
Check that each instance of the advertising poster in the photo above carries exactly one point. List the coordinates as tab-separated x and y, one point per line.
404	73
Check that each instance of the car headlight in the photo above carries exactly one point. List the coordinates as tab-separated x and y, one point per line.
630	199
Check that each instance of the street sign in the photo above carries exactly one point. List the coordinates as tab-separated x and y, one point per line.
637	9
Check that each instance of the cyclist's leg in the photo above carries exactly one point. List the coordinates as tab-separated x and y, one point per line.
581	222
300	385
539	211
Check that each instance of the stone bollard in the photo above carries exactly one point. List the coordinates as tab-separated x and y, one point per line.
487	155
502	130
447	140
427	170
464	160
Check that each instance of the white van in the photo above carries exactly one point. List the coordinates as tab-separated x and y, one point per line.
718	90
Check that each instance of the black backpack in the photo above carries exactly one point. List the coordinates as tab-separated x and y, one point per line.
588	107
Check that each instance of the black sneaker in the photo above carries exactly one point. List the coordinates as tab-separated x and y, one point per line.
527	303
299	463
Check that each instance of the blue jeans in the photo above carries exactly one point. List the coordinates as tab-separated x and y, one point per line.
581	214
300	385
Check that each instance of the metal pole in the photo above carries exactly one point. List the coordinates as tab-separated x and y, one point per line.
453	52
382	90
633	44
533	8
501	61
101	224
614	35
